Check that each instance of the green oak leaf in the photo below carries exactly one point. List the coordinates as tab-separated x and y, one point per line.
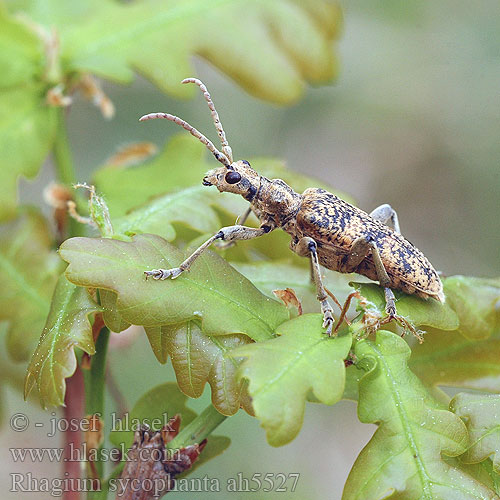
11	375
110	315
290	40
198	358
181	164
29	269
282	371
482	418
271	275
448	359
57	12
155	408
212	291
193	207
27	132
483	472
67	327
21	54
353	375
403	458
475	300
27	123
418	311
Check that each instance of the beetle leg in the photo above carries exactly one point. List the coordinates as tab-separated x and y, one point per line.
384	280
308	246
230	233
224	245
386	213
243	218
360	249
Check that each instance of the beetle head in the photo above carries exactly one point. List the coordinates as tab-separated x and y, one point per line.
238	178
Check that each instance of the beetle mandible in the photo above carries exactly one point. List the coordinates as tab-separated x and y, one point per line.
323	227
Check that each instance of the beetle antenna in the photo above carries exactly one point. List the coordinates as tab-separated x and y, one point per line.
194	132
226	149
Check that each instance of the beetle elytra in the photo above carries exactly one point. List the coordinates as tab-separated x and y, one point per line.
323	227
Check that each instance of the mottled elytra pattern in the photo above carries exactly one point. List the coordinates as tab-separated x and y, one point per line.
335	224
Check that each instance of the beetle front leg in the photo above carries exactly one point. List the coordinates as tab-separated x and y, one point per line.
230	233
224	245
307	246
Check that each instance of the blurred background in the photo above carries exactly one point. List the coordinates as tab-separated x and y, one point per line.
412	120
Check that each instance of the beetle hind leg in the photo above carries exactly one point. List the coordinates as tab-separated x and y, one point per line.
361	248
385	213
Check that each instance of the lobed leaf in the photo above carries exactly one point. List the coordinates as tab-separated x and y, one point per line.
403	459
199	358
181	164
29	269
27	124
212	291
446	358
482	418
21	57
192	207
110	315
154	408
282	371
67	327
288	41
475	300
27	132
484	473
418	311
11	375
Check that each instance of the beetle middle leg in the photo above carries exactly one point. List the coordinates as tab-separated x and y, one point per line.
360	249
307	246
229	233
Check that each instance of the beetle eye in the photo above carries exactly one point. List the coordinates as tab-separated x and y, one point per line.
232	177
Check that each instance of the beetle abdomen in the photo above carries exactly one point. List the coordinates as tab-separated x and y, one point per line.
335	224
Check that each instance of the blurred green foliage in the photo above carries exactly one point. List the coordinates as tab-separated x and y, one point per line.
414	122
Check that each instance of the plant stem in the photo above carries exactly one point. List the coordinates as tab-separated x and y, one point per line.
94	392
73	412
95	377
200	428
65	171
62	154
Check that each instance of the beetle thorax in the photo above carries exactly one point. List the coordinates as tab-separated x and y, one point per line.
276	201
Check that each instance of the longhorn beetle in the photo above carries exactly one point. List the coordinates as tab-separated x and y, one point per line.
328	230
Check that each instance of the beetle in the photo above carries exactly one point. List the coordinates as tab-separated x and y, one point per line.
323	227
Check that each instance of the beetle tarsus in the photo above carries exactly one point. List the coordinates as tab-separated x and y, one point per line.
328	321
163	274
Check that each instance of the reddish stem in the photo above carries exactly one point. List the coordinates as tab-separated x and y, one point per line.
73	411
